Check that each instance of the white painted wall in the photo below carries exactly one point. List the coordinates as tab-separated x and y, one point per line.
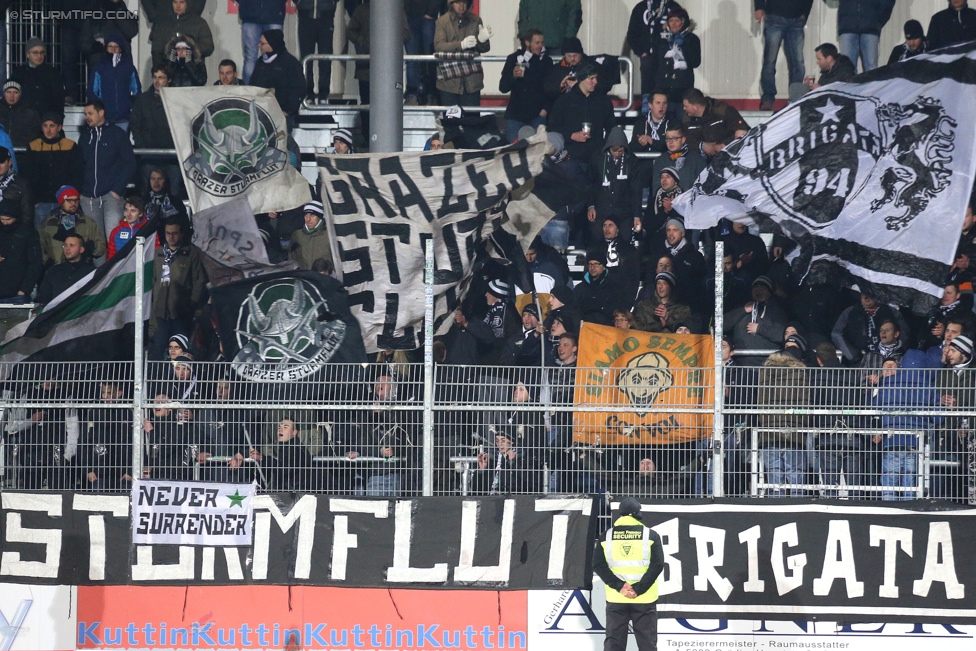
731	39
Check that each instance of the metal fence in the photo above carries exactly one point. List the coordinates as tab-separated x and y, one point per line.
812	432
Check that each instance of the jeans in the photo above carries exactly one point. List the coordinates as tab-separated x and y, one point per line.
512	127
783	466
463	99
317	33
898	469
836	458
864	45
42	211
420	76
105	210
556	234
383	485
777	30
250	36
648	73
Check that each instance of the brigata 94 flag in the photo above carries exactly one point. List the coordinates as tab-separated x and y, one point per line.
870	178
192	513
656	388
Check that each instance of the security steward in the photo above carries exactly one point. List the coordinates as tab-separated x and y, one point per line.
629	561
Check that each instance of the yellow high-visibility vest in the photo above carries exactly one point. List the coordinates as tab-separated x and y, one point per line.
628	552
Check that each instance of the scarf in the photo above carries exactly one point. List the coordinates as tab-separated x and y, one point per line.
677	247
872	328
495	318
268	58
945	309
614	169
655	18
7	180
116	59
675	53
887	351
613	255
68	222
656	130
663	194
679	157
163	205
168	255
758	312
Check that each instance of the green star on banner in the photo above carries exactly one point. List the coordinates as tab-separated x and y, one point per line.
236	499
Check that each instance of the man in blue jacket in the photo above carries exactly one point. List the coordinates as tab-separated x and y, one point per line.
257	16
109	163
859	24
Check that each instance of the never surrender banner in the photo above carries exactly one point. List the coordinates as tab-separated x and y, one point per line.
385	207
870	178
191	513
231	141
498	543
656	387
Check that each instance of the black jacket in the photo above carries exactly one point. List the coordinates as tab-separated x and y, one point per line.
42	87
49	165
863	16
569	113
18	191
526	99
670	78
784	8
20	257
105	446
843	70
21	122
60	277
645	28
646	127
148	121
596	299
902	53
616	184
949	27
285	76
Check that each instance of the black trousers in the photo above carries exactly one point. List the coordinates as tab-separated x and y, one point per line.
644	618
317	33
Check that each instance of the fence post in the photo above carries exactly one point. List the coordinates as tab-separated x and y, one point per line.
428	486
718	424
137	359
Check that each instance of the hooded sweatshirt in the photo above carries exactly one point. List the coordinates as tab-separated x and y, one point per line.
615	183
115	81
281	71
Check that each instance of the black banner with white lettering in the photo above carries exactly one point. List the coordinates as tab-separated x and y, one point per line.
441	542
779	559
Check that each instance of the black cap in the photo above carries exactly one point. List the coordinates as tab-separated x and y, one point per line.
913	29
572	45
630	506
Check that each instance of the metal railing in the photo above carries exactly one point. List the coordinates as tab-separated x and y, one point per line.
833	433
626	63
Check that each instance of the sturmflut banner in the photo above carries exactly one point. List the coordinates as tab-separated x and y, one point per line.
231	141
870	178
192	513
385	207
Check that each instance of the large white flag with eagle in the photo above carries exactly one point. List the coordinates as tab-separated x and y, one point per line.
870	178
231	142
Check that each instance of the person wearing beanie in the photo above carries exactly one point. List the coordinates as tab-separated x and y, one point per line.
857	329
180	18
617	180
748	250
660	312
759	324
668	190
178	346
69	219
583	116
565	73
342	142
39	81
523	77
277	68
622	257
525	348
14	187
185	61
111	17
115	81
459	32
308	244
51	161
689	265
257	16
954	24
601	291
914	44
21	263
20	121
631	574
482	340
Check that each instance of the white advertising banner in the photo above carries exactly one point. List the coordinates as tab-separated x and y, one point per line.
573	620
37	617
192	513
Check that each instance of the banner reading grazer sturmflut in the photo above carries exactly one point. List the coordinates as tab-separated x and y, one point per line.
231	141
385	208
192	513
657	387
870	178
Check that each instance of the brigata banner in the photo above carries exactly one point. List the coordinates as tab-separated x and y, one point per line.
192	513
504	543
656	387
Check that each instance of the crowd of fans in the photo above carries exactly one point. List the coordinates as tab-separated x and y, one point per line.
68	206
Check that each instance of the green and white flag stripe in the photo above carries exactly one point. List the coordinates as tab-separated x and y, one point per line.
85	321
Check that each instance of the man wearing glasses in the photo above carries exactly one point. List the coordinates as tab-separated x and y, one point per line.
68	219
689	162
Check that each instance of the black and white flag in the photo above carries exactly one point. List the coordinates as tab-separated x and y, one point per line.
870	178
386	206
